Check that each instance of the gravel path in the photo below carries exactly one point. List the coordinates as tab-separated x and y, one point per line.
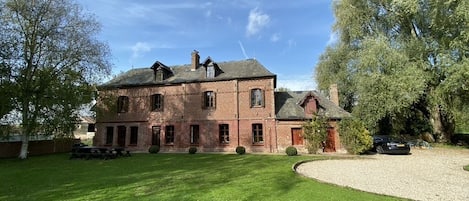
433	174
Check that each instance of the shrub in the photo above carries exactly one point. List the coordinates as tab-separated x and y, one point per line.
240	150
354	136
291	151
192	150
154	149
315	133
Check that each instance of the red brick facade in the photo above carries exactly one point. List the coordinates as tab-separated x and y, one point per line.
192	106
183	107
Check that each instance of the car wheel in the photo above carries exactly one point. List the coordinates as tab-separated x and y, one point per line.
379	149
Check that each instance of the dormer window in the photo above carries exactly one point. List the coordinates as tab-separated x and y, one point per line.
210	71
211	68
161	72
310	104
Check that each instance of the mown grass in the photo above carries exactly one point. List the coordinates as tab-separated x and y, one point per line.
166	177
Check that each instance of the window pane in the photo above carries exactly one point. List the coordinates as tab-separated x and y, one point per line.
210	72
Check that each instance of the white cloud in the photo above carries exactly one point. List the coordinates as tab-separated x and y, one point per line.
275	37
256	21
333	37
297	85
139	49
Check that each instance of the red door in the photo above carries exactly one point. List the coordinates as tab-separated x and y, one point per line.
296	137
330	140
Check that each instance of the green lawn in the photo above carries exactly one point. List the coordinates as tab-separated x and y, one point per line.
166	177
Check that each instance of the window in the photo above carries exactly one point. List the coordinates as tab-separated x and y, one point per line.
257	134
157	102
109	135
194	134
224	133
169	135
133	135
210	71
257	98
209	99
122	104
91	127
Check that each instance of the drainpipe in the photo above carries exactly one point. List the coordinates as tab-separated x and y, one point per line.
237	109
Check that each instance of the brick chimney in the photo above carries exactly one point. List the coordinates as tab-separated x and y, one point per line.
334	94
195	61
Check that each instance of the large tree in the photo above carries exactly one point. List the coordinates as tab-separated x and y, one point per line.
401	66
50	60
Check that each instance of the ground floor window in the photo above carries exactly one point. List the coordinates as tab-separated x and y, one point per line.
194	132
133	135
224	133
257	134
109	135
169	135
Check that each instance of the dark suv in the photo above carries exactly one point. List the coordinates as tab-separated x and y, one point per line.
383	144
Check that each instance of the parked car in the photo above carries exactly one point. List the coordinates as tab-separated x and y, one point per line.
383	144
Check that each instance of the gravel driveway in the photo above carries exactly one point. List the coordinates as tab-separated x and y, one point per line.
426	174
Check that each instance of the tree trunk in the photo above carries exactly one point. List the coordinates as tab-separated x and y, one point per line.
24	146
437	124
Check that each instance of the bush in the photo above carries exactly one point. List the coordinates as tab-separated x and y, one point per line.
291	151
354	136
154	149
240	150
192	150
315	133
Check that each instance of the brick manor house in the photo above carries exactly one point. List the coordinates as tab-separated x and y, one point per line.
214	106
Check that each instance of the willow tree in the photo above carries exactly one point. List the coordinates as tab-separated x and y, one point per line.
401	66
50	61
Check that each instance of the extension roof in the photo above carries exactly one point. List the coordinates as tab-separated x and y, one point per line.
288	106
231	70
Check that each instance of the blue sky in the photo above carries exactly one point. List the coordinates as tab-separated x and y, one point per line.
287	37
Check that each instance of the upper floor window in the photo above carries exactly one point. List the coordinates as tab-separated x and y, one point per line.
122	104
257	134
210	71
209	99
257	98
156	102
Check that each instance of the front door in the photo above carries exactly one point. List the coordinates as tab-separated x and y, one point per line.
155	137
297	138
121	136
330	140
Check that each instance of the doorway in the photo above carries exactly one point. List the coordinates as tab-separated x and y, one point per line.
121	136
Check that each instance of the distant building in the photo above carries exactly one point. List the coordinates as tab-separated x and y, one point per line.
85	128
209	105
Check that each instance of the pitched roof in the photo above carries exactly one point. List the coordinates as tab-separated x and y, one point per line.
288	106
244	69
